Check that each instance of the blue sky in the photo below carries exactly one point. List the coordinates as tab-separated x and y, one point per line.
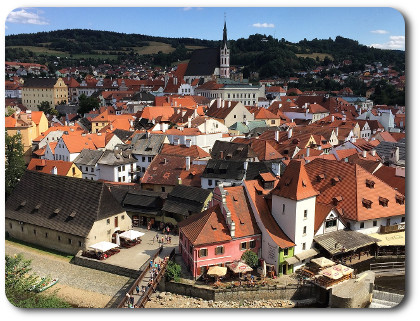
380	27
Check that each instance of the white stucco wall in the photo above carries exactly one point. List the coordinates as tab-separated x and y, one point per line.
368	225
292	220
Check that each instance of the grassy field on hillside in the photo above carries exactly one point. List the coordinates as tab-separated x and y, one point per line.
316	54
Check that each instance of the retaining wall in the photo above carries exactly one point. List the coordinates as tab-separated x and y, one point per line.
303	292
106	267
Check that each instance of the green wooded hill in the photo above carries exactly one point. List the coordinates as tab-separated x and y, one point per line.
257	53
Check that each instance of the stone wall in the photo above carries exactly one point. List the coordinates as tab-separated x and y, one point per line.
106	267
353	293
261	293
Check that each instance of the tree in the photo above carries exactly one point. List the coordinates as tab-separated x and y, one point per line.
9	111
45	107
86	104
250	258
15	163
173	271
20	285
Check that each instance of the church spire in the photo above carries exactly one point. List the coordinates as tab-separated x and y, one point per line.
224	35
224	55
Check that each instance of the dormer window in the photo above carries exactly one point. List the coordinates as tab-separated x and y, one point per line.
367	203
334	180
383	201
303	183
337	199
320	177
370	183
400	199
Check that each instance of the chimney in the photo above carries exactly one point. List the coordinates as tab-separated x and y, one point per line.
179	181
353	139
165	161
397	154
232	229
290	133
364	154
336	132
229	103
219	102
308	151
188	143
221	154
189	122
332	118
187	163
54	170
246	166
276	135
373	152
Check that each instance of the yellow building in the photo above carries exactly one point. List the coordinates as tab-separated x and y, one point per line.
30	125
37	90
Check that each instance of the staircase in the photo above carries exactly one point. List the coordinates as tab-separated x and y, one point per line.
385	300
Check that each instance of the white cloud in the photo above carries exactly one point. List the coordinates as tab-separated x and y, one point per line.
263	25
380	31
395	42
26	17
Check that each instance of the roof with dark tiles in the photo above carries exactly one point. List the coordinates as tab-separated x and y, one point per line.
90	200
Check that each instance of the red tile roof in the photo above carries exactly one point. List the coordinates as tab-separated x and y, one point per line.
387	174
76	143
47	166
350	182
166	169
294	183
343	153
206	227
264	213
181	150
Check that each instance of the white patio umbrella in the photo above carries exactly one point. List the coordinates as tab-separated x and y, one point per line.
131	234
217	271
239	267
103	246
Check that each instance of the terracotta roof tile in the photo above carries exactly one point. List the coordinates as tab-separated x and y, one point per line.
181	150
47	166
350	182
387	174
256	194
295	183
206	227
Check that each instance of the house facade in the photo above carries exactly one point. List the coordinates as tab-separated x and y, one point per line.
220	234
37	90
65	214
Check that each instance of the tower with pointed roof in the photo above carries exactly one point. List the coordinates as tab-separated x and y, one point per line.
224	56
293	205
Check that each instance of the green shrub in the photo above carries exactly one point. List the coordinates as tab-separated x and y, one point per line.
250	258
173	271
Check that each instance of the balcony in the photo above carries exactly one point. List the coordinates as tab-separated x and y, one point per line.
392	228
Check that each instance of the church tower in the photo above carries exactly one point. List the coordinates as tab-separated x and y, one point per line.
224	56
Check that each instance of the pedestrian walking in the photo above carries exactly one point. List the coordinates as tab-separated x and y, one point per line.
169	239
157	237
151	263
162	240
137	289
132	300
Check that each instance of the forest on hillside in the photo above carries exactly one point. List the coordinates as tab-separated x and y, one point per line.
268	56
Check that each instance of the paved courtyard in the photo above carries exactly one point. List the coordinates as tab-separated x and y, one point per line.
136	256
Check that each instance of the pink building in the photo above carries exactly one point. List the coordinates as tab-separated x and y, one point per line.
220	234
